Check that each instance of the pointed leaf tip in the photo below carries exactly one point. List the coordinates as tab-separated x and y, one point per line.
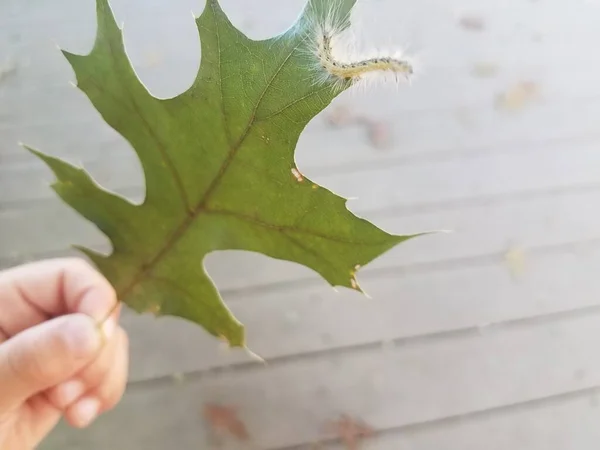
34	152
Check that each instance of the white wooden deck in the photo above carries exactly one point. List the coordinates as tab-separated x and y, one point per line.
487	337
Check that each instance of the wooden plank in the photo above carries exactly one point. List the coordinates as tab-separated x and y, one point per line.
480	227
507	37
557	423
446	86
515	50
538	167
92	139
451	88
78	16
461	280
418	305
324	349
77	142
288	404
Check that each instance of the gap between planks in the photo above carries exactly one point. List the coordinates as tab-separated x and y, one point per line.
395	270
472	416
418	340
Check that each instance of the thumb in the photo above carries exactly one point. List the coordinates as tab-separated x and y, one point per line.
44	356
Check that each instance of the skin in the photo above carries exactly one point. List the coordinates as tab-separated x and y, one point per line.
59	357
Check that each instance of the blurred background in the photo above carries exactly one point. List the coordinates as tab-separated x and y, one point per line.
486	337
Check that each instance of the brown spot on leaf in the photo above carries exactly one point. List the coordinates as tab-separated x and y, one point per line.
472	23
225	418
350	431
153	309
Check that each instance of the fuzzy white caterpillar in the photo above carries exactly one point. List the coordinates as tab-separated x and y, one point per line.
328	38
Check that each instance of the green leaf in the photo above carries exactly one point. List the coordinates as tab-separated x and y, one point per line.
219	168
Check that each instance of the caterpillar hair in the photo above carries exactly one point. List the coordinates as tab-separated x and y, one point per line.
332	52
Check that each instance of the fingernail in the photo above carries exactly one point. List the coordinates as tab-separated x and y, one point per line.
69	392
86	411
81	335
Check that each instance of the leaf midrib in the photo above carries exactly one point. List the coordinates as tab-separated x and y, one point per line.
191	216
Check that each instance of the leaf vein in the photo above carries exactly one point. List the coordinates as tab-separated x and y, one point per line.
220	80
159	144
293	228
309	250
289	105
179	231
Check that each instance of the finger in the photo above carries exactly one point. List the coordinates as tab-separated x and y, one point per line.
111	391
44	418
50	288
106	394
44	356
89	377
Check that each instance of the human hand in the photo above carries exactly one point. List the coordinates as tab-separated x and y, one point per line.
55	358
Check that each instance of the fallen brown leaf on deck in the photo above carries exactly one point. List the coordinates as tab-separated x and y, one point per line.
380	134
350	431
225	418
472	23
340	116
517	96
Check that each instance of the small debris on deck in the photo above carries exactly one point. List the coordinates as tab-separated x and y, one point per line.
225	418
351	431
7	68
518	96
515	261
485	69
379	133
472	23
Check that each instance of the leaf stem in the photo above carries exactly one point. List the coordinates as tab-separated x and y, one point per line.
100	324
